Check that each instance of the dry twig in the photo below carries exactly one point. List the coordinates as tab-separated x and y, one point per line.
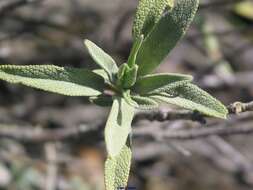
36	134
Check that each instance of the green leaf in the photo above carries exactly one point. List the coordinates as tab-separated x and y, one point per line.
130	77
148	14
191	97
121	72
127	76
104	60
158	82
134	51
118	126
102	100
61	80
117	169
165	34
145	103
128	98
102	73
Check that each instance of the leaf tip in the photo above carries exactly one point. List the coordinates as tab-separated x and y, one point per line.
87	42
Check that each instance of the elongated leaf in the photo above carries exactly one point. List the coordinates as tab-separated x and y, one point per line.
165	34
104	60
191	97
121	72
102	100
145	103
102	73
158	82
134	51
61	80
118	126
148	14
128	98
117	169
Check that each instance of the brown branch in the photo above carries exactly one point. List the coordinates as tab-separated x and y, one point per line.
198	133
239	107
161	115
39	135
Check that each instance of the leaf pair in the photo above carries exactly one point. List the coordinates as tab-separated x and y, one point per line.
104	60
163	28
176	89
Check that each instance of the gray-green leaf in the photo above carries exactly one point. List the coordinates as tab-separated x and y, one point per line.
165	34
128	98
130	77
102	100
61	80
102	73
117	169
145	103
104	60
127	76
191	97
134	51
158	82
148	14
118	126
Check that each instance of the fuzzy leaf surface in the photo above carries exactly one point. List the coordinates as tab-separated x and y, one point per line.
191	97
130	77
117	169
61	80
127	76
165	35
104	60
128	98
102	73
148	14
102	100
145	103
118	126
134	51
154	83
121	72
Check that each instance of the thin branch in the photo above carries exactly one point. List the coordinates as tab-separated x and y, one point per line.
39	135
205	132
162	115
197	133
239	107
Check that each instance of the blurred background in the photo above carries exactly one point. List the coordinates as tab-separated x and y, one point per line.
217	51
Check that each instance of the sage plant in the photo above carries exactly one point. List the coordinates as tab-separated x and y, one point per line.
158	26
